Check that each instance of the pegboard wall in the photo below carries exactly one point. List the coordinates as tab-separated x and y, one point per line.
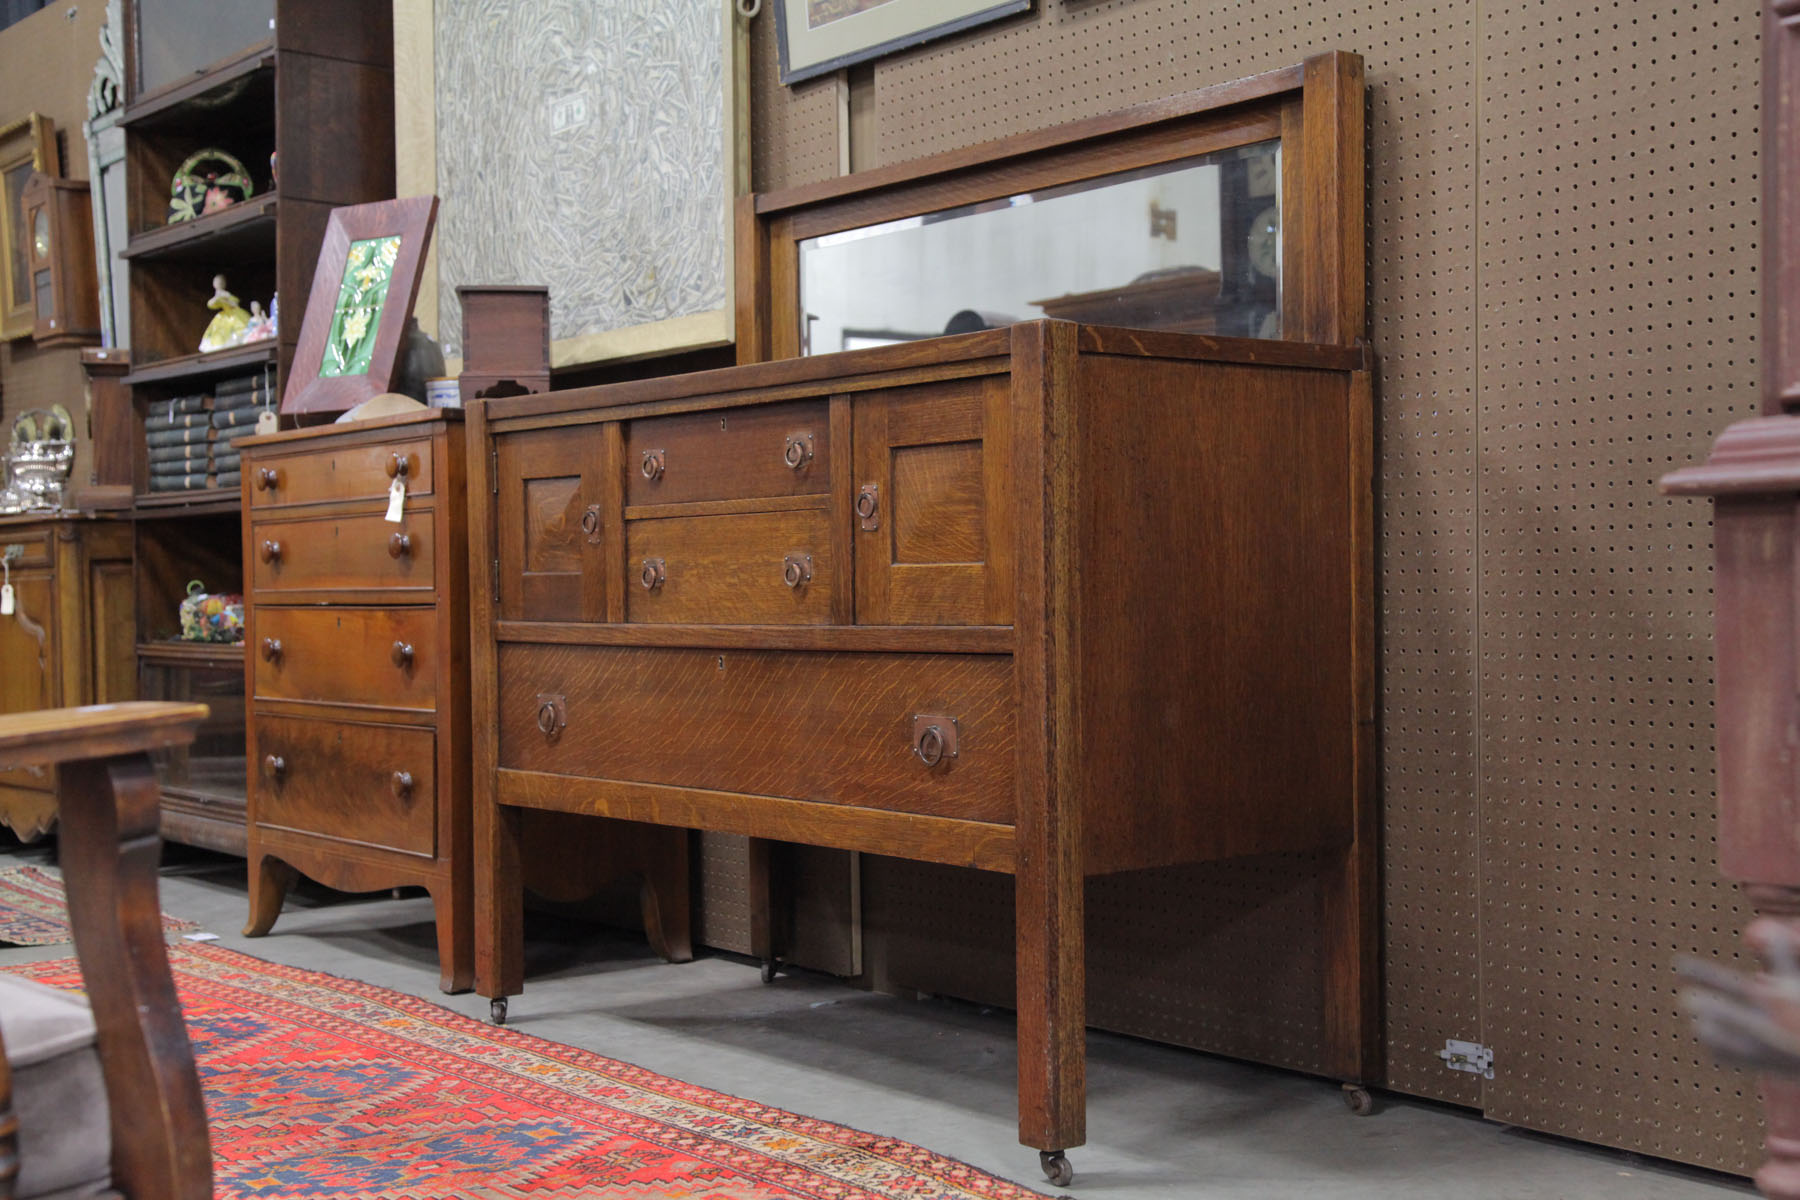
1562	264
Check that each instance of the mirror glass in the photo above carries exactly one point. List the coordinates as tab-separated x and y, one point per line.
1192	246
176	38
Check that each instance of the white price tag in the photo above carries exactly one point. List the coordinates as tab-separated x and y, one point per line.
266	422
6	600
396	501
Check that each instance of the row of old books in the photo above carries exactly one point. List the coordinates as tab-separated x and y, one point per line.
190	437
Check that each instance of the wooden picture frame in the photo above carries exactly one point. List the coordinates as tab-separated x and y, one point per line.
27	145
817	37
323	377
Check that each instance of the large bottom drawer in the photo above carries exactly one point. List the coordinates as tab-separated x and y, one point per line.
369	784
838	728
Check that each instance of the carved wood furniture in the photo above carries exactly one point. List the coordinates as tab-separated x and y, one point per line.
109	851
1053	600
357	676
68	640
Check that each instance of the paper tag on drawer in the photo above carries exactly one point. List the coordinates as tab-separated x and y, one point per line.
396	501
6	600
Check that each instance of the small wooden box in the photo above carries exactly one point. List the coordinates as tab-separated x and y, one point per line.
506	341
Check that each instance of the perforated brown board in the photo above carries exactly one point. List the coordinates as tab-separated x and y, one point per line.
1618	252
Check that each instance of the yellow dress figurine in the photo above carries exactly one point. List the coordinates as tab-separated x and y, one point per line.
227	327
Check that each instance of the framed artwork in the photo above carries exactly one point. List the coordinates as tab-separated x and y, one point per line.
26	145
819	36
613	187
362	292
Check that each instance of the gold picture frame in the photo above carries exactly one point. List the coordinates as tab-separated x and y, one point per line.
26	145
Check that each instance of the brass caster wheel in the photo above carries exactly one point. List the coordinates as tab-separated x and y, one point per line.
769	970
497	1010
1358	1100
1056	1167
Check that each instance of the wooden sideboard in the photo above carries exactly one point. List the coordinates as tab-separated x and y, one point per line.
69	639
1052	600
356	675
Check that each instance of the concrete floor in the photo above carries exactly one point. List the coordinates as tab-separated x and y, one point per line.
1163	1123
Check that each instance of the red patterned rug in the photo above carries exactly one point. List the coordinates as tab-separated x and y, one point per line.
328	1088
34	911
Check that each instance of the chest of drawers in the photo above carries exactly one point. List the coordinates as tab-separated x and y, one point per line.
1053	600
357	668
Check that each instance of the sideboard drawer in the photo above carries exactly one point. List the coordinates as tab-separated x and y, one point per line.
837	728
340	553
729	454
386	657
369	784
342	473
33	548
770	568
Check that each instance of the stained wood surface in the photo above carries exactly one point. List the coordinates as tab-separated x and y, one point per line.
730	570
728	455
830	728
96	731
349	473
550	567
343	553
337	782
346	655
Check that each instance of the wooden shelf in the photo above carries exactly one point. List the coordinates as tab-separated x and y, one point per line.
204	366
208	88
216	655
238	234
193	503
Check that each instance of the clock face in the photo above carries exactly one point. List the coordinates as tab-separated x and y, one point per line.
1265	242
40	234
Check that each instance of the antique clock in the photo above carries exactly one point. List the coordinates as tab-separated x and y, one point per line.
58	236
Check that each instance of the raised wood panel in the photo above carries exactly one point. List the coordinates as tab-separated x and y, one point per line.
343	553
729	454
347	655
732	570
28	681
337	781
551	568
831	728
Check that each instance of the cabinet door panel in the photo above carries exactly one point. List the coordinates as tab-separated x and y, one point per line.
552	524
28	661
940	550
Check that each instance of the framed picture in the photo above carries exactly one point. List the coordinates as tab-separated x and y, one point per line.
26	145
362	292
819	36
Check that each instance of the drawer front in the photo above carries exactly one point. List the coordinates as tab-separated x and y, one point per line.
749	569
341	473
334	553
368	784
378	656
836	728
729	454
33	547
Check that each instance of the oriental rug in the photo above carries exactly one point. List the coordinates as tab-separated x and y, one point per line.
328	1088
34	912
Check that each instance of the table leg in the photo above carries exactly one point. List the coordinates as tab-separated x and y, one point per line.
499	905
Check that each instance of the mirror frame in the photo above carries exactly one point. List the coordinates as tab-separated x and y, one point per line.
1316	108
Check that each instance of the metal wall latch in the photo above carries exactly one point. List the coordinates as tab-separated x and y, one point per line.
1472	1057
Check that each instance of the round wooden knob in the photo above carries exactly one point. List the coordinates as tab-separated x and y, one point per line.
402	654
930	746
271	551
271	649
398	465
399	545
653	574
266	479
403	784
275	765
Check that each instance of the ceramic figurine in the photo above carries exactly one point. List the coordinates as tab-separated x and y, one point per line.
259	327
227	327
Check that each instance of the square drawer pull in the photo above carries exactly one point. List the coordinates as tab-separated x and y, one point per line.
933	738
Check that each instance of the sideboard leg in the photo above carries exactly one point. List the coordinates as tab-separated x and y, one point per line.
1052	1003
270	882
499	902
452	907
666	897
767	904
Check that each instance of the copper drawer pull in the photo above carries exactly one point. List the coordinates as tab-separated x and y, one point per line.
654	573
271	649
653	464
399	466
275	765
266	479
796	569
799	450
402	654
934	738
403	784
552	713
868	506
590	524
271	551
399	545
